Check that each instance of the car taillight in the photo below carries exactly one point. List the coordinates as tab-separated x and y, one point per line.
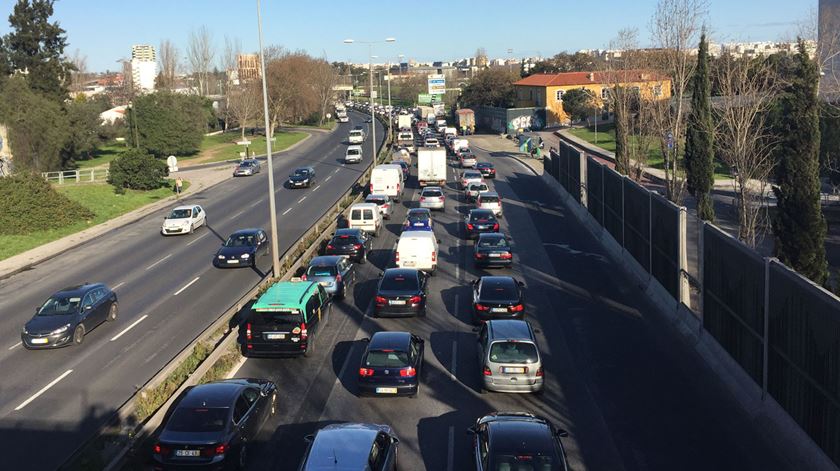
517	308
248	331
479	255
415	299
370	187
434	256
160	449
330	246
303	332
338	278
396	256
470	226
539	372
442	198
357	246
506	256
214	450
487	371
365	372
380	300
303	277
422	199
409	372
481	307
386	206
496	226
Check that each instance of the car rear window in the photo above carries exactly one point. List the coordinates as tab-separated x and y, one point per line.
524	462
190	419
482	217
489	199
399	283
277	318
321	271
433	193
492	242
386	358
375	200
513	352
356	214
497	293
344	238
472	175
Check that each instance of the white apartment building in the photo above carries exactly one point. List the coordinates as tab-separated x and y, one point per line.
143	67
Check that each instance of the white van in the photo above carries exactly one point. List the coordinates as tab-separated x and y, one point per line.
365	216
417	249
353	154
357	136
387	179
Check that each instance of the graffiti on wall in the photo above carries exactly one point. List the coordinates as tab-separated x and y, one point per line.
525	122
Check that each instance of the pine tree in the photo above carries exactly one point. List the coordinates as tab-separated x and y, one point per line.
799	226
699	138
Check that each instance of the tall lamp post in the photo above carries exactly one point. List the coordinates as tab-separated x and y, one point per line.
370	74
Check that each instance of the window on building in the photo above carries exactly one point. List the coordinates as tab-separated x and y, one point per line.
605	93
559	95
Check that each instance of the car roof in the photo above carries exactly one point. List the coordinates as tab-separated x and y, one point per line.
475	173
481	212
484	164
521	434
78	290
408	235
400	272
435	188
354	146
503	281
389	341
218	394
348	231
251	231
345	446
303	168
509	329
285	294
376	195
323	260
419	210
364	206
491	235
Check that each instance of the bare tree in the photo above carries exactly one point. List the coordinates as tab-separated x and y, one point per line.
744	139
79	75
675	29
200	54
230	63
244	104
168	55
324	78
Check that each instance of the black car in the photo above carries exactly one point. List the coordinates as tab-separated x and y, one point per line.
517	440
405	167
302	177
492	250
351	242
486	168
68	315
401	292
498	297
352	446
479	221
241	249
391	365
212	424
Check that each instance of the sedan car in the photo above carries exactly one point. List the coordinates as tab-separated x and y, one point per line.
334	272
241	249
384	203
432	197
474	189
470	176
184	220
212	425
467	160
302	177
517	440
391	365
352	446
418	219
400	292
492	250
490	200
351	242
498	297
479	221
247	167
486	168
68	315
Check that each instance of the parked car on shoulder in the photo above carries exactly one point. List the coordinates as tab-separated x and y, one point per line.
68	315
242	248
351	446
184	220
391	365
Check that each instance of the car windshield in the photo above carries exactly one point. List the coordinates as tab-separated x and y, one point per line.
353	152
355	133
524	462
513	352
321	270
180	214
241	240
399	283
386	358
301	172
496	292
492	242
203	419
59	306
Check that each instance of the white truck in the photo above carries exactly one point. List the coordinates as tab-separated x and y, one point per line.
431	166
387	179
404	122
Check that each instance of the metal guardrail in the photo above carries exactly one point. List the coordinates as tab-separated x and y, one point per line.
91	175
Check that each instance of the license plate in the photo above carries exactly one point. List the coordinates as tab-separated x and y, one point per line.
499	309
233	261
39	341
418	224
275	336
481	227
396	302
187	452
515	370
386	390
495	255
408	263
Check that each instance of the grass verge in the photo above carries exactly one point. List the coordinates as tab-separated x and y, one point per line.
224	146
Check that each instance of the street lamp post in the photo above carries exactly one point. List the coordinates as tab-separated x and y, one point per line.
370	74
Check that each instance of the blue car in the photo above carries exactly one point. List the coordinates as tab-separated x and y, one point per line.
418	219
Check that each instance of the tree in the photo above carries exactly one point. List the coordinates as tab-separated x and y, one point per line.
799	226
699	138
491	87
565	62
79	72
200	54
410	87
83	131
36	124
169	123
36	46
168	55
137	170
580	104
30	204
244	104
230	62
324	78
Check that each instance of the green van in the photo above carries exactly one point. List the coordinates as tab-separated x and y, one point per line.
285	320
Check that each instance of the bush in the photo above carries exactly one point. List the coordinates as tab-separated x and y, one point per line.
137	170
31	204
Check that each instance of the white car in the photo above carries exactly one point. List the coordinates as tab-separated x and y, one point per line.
353	155
184	220
431	142
432	198
357	136
474	189
470	176
490	200
384	203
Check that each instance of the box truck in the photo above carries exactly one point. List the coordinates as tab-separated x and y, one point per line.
431	166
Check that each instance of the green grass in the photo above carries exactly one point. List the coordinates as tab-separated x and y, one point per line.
223	146
99	198
103	155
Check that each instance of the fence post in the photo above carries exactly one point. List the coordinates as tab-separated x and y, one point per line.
92	175
701	267
766	340
60	178
684	292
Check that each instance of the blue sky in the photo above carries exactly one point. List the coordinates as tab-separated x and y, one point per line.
104	30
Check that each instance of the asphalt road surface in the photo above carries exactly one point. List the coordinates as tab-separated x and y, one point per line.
630	398
52	401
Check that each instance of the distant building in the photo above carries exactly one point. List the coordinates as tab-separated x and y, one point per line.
113	115
248	67
143	67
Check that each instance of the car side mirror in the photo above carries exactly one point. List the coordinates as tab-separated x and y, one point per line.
366	339
521	284
475	282
476	329
309	438
395	440
263	393
88	308
560	433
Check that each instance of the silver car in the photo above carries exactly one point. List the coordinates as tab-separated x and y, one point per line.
352	446
386	206
508	357
474	189
336	273
247	167
490	200
432	198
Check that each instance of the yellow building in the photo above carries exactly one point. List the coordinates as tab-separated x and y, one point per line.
546	90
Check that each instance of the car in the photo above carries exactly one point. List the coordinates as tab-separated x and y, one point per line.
247	167
365	216
400	292
184	220
242	248
212	425
474	189
497	297
391	365
357	135
508	357
351	242
431	142
334	272
486	168
490	200
383	201
351	446
302	177
353	154
432	197
405	167
517	440
66	316
470	176
492	249
418	219
467	160
479	221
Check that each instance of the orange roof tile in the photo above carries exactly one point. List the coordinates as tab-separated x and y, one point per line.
586	78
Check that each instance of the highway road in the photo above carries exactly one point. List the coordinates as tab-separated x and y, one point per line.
631	398
51	401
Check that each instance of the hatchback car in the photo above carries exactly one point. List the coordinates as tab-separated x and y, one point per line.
486	168
184	220
418	219
247	167
431	142
432	197
384	202
302	177
479	221
391	365
517	441
211	425
401	292
498	297
467	160
351	446
470	176
351	242
241	249
508	357
404	166
334	272
68	315
474	189
353	154
490	200
492	249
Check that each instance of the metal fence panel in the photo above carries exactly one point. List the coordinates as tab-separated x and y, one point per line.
563	166
614	204
637	222
594	189
574	173
665	244
804	355
733	298
548	162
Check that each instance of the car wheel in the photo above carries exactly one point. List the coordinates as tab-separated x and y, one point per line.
310	347
192	228
363	258
112	313
79	335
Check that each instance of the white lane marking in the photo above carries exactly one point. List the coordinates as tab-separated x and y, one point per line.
237	214
301	200
196	239
236	368
286	211
187	286
450	453
129	327
454	373
336	171
155	264
118	285
43	390
255	203
15	345
327	179
316	188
